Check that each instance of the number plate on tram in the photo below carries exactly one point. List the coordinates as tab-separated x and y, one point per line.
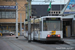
53	35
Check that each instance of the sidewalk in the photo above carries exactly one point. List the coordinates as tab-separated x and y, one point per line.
69	40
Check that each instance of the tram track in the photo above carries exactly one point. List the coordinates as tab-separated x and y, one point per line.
19	46
22	44
56	46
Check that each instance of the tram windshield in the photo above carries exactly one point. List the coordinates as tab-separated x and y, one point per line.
51	25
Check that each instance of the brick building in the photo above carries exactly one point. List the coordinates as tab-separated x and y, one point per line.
8	14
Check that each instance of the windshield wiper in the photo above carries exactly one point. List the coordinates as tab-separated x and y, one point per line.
54	29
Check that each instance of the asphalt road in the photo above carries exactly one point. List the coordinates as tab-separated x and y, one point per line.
11	43
54	46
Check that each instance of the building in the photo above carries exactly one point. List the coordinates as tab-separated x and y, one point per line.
69	25
8	14
41	10
69	19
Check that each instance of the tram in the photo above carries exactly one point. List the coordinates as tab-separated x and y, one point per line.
45	28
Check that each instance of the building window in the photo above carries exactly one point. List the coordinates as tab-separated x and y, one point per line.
7	14
3	14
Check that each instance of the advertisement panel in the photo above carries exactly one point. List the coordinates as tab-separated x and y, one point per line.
70	8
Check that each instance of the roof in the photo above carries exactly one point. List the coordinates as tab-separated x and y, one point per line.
68	17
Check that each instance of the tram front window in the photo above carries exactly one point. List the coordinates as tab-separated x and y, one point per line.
51	25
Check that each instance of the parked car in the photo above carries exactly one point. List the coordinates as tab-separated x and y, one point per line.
7	32
12	32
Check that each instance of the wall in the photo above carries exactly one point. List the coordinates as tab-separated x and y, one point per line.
21	9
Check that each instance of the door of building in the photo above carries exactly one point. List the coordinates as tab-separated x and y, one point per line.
67	28
68	31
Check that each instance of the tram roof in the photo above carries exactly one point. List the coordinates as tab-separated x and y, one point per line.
52	16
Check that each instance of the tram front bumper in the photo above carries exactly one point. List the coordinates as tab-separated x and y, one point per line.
53	39
50	39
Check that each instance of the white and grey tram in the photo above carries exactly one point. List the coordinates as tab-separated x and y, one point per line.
46	28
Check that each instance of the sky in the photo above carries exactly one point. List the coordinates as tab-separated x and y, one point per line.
55	2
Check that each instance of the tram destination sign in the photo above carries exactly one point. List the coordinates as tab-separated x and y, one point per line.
52	19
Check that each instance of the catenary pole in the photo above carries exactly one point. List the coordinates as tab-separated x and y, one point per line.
20	24
16	20
51	7
29	21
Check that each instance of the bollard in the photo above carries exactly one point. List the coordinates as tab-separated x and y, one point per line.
1	34
18	34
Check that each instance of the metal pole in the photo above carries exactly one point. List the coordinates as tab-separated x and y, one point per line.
16	20
64	6
29	21
51	7
20	24
24	28
60	5
26	6
33	28
62	12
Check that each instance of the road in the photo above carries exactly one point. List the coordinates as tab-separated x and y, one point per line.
11	43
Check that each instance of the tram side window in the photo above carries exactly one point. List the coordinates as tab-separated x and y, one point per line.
45	26
38	26
35	27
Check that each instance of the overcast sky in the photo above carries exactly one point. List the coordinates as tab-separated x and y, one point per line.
55	2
